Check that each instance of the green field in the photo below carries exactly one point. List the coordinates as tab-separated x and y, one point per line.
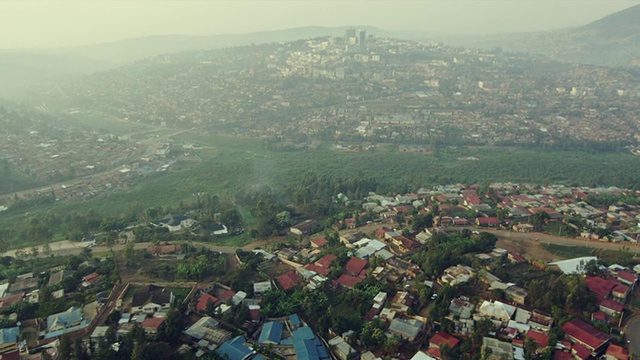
624	256
234	164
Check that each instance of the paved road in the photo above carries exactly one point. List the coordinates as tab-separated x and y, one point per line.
633	335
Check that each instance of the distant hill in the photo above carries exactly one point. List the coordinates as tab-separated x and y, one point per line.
22	70
611	41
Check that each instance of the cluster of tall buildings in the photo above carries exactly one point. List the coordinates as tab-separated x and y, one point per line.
356	38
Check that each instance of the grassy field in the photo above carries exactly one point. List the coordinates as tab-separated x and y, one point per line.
610	256
230	164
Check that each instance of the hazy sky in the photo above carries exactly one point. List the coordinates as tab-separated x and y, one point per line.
31	23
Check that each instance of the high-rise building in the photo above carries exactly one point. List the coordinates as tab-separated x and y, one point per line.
363	39
350	36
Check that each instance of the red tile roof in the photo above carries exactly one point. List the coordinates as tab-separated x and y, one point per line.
599	315
617	352
434	352
8	300
325	261
581	352
487	220
355	265
12	355
621	290
348	280
152	323
601	287
320	270
204	301
612	305
288	279
540	338
442	338
227	295
560	355
581	332
627	276
319	241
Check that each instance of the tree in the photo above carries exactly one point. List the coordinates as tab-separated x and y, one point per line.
283	219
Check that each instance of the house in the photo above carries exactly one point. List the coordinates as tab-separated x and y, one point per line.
342	349
91	279
457	274
524	228
152	326
26	282
261	287
176	223
498	350
307	346
319	242
9	338
58	276
305	228
627	278
516	294
206	328
611	308
540	339
348	281
496	311
487	221
438	340
6	301
408	329
355	266
288	280
164	250
205	300
66	319
615	352
602	288
420	355
582	333
271	333
235	349
151	299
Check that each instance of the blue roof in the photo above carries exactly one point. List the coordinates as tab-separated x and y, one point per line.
258	357
294	320
55	334
307	346
9	335
305	349
64	319
271	333
234	349
303	333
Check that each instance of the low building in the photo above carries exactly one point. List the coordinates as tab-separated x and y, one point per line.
341	349
457	274
271	333
582	333
408	329
152	326
261	287
516	294
494	349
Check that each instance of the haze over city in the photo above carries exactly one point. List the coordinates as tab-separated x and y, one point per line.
45	24
319	180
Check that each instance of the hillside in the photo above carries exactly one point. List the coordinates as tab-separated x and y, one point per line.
611	41
41	70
